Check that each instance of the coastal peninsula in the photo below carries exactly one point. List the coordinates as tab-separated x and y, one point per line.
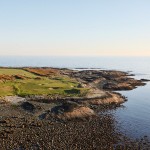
59	108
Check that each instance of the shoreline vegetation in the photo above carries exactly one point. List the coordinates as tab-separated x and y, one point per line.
59	108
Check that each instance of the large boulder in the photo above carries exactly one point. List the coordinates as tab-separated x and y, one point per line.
71	110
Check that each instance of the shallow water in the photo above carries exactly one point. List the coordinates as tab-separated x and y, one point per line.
134	118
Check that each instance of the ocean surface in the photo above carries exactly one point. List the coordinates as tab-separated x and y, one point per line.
134	116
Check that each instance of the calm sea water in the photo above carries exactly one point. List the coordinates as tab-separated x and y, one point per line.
134	117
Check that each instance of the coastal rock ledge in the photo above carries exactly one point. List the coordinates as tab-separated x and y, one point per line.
68	111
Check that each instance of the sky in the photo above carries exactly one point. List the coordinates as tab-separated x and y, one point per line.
75	27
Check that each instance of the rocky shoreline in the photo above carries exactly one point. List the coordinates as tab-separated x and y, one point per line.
57	122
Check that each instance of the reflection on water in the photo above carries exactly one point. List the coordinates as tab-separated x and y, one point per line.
135	116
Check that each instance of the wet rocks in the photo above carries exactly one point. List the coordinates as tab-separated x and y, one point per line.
108	80
119	86
145	80
28	106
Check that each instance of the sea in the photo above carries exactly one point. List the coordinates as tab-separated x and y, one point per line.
134	116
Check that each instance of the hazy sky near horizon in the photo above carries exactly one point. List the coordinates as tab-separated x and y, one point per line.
75	27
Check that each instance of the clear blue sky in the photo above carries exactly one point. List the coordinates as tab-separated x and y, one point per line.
75	27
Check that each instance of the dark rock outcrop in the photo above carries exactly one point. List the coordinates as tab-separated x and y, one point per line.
28	106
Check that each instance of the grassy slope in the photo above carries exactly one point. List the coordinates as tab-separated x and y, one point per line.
9	71
63	86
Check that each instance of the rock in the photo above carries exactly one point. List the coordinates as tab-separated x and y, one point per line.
28	106
112	98
119	86
14	99
3	121
70	110
80	112
145	80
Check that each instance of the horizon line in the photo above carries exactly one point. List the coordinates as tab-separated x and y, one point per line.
74	55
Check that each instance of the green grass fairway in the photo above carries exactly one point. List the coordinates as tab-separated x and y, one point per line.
63	86
9	71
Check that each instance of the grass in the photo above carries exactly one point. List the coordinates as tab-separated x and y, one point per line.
58	85
9	71
43	71
6	89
